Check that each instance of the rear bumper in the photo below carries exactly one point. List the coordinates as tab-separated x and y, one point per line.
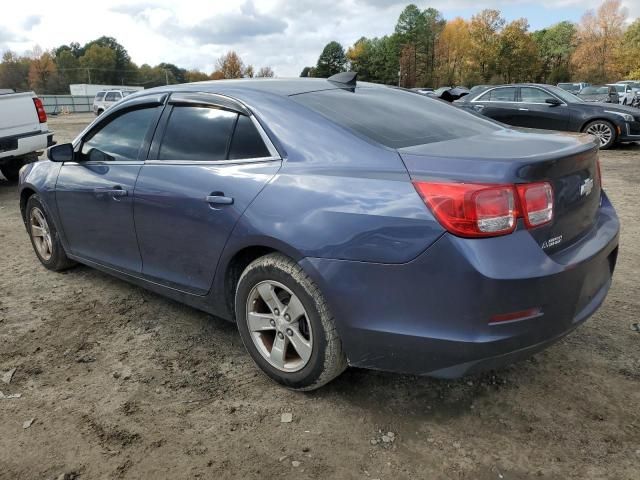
432	315
25	144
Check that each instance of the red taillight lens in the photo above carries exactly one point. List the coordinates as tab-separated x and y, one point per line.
536	201
471	210
42	115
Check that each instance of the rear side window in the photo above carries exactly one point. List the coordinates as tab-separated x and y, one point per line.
246	141
507	94
393	117
121	138
197	133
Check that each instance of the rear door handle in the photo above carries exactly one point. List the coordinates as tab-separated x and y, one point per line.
218	198
523	109
478	107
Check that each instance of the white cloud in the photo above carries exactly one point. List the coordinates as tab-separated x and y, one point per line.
285	34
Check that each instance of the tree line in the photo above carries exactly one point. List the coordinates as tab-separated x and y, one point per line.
425	50
105	61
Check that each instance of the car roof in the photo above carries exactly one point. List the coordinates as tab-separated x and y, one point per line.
277	86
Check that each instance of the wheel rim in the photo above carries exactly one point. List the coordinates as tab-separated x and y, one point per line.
602	131
40	233
279	326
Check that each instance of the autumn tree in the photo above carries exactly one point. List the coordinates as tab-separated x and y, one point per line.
452	52
517	53
195	76
229	65
332	60
42	70
599	36
484	30
629	52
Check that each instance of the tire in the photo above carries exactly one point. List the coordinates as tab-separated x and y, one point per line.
11	169
312	351
598	128
99	112
55	259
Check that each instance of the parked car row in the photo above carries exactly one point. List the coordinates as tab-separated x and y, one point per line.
552	108
627	92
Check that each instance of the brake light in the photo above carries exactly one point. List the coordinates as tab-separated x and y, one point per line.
471	210
481	210
42	115
536	201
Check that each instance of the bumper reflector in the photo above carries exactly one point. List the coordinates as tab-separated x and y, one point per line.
516	316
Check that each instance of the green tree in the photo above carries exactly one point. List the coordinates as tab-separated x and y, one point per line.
555	47
99	63
332	60
123	70
629	52
484	30
306	71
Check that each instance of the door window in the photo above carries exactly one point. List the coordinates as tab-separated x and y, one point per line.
210	134
121	138
111	97
533	95
506	94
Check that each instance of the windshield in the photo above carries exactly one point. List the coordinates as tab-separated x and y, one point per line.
565	96
594	90
570	87
395	118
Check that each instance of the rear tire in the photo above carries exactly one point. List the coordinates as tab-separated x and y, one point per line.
310	350
11	169
604	131
44	237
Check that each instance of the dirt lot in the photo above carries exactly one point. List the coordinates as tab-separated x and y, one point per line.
122	383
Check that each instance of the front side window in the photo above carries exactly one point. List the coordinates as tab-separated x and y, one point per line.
99	96
533	95
111	97
121	138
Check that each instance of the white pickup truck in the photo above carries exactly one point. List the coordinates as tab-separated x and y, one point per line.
23	131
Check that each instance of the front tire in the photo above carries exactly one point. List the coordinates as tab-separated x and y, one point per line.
604	131
44	237
286	325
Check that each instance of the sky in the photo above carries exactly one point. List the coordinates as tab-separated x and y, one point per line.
283	34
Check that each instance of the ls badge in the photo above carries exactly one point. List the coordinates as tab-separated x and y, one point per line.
586	187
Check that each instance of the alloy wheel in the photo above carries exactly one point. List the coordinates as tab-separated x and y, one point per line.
279	326
602	131
40	233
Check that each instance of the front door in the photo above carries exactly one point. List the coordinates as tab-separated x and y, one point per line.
94	194
534	112
207	164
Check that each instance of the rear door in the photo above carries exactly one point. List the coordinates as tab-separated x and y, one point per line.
534	112
209	159
497	103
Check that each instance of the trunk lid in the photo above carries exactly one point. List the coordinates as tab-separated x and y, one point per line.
568	161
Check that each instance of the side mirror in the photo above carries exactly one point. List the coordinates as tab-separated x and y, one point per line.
61	153
554	102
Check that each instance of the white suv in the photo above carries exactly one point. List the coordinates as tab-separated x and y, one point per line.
104	99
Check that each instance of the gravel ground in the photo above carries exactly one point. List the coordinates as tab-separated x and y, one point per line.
120	383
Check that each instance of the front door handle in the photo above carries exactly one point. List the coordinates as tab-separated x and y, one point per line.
115	192
523	109
218	198
478	107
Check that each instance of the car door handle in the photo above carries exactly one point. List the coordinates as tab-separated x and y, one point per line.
218	198
523	109
116	191
478	107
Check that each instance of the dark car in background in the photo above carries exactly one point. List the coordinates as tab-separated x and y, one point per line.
337	223
552	108
599	93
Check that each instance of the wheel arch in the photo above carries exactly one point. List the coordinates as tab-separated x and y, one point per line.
25	194
605	119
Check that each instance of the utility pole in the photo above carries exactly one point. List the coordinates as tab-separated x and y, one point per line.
166	77
89	74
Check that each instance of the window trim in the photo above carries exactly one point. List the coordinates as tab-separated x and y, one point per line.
482	94
156	141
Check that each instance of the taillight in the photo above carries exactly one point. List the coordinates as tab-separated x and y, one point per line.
42	115
471	210
480	210
536	202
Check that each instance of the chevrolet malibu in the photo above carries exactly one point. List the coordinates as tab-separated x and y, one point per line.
336	222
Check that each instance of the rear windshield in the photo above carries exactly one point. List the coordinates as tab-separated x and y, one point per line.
395	118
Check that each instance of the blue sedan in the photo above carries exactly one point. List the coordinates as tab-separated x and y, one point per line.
336	222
